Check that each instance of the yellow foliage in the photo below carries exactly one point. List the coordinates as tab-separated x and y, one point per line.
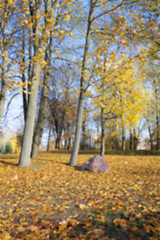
124	93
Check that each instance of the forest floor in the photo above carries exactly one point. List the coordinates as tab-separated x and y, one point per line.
51	200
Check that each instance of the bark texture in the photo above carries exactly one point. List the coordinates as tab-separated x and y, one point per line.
43	104
76	144
39	47
4	50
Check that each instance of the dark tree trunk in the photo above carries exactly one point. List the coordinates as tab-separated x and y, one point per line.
150	136
157	128
135	140
58	142
130	139
102	150
123	138
83	145
49	138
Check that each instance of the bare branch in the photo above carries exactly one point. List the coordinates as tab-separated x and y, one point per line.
9	103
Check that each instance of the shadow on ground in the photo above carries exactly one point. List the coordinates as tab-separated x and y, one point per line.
8	163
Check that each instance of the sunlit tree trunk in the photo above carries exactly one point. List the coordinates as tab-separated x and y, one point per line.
39	47
74	154
30	63
3	80
43	104
4	64
23	76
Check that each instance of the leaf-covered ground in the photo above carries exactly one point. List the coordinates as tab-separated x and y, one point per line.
52	200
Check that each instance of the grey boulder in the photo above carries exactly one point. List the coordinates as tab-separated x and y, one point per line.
95	164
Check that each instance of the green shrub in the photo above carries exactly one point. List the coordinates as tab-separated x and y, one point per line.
3	148
9	147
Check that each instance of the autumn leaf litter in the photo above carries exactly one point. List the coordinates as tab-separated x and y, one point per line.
52	200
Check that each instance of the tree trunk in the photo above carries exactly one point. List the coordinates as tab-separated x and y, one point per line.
49	137
130	139
73	159
39	47
102	152
4	50
69	137
157	131
23	77
43	105
29	125
69	143
58	142
135	140
83	145
3	82
123	138
157	119
150	136
30	64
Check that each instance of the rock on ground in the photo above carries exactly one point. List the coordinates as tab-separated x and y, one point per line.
95	164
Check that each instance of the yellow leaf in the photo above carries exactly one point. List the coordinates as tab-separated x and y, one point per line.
33	228
20	229
82	206
88	223
56	27
6	236
63	225
67	16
